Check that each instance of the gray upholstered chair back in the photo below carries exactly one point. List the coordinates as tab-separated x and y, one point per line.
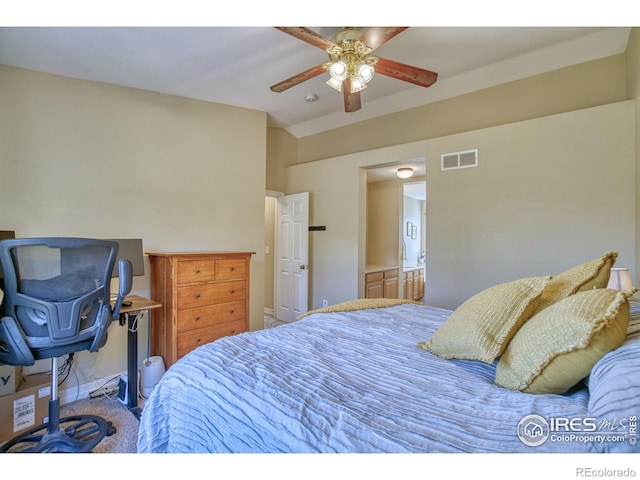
56	297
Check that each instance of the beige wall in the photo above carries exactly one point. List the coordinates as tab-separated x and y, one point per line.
87	159
580	86
282	150
383	214
548	193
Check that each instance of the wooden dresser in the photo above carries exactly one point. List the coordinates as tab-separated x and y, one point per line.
204	296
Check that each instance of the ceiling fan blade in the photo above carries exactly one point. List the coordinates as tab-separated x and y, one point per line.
298	79
377	36
407	73
351	100
309	36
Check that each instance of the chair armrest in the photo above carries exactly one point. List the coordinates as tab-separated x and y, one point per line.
13	347
125	279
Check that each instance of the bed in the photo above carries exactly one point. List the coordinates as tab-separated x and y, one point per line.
354	380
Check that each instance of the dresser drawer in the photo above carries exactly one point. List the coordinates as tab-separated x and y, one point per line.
230	268
209	293
195	271
192	318
201	336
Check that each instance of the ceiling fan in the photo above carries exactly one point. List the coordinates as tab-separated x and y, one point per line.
351	65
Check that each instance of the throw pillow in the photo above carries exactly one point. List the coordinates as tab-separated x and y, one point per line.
482	326
559	346
586	276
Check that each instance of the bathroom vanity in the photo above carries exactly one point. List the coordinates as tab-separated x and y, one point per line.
383	282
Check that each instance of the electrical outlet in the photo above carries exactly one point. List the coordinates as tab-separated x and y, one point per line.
325	303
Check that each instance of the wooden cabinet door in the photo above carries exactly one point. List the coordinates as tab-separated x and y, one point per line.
408	285
375	290
391	283
374	285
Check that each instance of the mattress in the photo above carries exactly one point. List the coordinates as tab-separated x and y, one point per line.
356	382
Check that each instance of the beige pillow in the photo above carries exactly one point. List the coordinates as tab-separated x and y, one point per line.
559	346
586	276
481	327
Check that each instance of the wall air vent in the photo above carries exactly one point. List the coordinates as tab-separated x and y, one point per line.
466	159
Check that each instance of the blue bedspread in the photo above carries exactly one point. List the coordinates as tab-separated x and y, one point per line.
343	382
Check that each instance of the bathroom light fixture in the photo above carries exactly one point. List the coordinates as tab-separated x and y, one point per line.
405	172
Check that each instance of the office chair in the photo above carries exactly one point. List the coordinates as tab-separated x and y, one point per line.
57	302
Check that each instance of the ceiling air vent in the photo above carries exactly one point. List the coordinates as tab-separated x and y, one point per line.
466	159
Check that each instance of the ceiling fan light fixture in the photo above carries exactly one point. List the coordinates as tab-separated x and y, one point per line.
405	172
365	72
333	83
338	71
357	85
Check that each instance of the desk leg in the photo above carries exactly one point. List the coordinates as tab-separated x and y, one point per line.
132	364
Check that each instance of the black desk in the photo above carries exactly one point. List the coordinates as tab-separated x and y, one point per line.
138	306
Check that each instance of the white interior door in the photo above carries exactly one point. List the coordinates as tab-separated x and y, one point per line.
292	256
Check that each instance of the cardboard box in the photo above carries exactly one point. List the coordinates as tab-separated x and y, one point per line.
9	379
27	407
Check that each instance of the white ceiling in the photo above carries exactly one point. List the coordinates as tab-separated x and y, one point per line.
237	65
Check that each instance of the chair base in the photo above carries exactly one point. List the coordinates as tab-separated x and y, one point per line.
77	434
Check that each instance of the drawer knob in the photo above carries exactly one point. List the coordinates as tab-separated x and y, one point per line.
232	311
232	292
197	318
198	341
197	295
233	331
233	268
198	270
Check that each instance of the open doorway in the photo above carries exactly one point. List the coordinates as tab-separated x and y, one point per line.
386	231
415	216
414	239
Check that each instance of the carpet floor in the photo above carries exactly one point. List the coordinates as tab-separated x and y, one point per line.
110	408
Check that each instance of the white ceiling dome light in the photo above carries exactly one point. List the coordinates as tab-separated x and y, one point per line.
405	172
